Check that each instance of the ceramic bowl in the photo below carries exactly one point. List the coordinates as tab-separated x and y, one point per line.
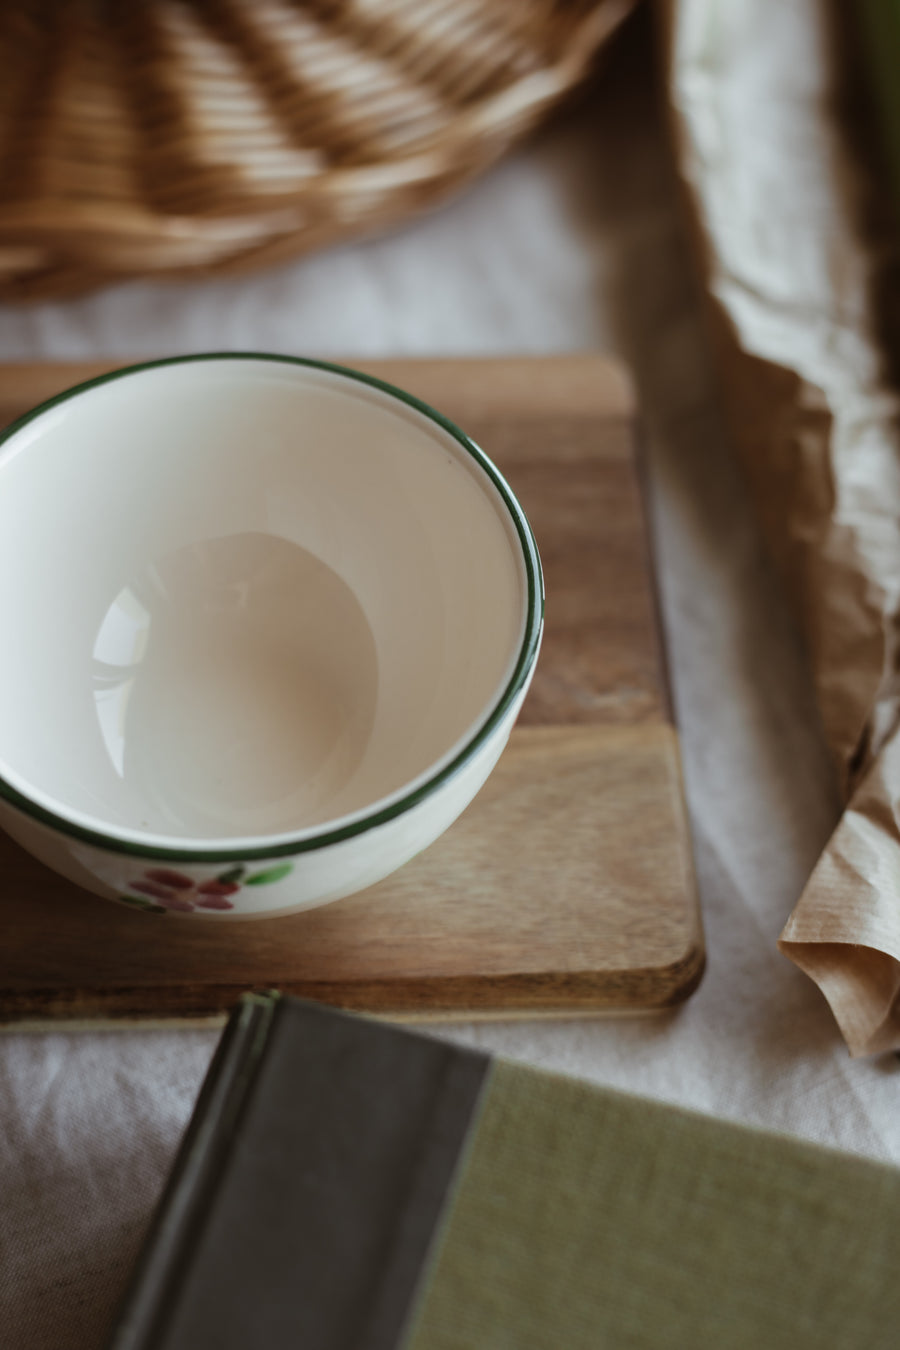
267	625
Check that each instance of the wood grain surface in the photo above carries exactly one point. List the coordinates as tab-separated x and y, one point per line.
567	884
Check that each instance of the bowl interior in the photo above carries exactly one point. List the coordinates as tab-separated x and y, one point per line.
241	598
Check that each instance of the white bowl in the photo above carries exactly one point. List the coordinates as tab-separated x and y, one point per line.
267	625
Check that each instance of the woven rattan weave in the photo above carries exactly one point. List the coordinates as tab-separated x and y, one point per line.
192	137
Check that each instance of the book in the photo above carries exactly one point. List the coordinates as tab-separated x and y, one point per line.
345	1184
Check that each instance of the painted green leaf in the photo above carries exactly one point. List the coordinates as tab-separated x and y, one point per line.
140	903
233	875
271	874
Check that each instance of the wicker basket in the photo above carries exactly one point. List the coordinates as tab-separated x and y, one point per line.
191	137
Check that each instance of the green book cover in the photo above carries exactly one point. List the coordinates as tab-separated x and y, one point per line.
348	1185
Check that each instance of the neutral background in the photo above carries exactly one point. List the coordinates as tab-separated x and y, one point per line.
573	243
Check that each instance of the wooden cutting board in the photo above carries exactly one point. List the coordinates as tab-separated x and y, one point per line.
565	887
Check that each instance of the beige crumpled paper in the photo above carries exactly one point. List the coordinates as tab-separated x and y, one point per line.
796	276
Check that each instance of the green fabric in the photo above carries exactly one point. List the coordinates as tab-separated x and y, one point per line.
588	1219
881	35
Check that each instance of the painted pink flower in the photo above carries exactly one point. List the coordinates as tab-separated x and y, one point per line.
162	888
182	894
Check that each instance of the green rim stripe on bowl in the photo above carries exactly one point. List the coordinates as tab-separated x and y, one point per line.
530	639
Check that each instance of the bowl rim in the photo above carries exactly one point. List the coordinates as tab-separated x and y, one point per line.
396	804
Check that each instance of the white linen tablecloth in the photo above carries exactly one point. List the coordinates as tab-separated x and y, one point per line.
575	242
